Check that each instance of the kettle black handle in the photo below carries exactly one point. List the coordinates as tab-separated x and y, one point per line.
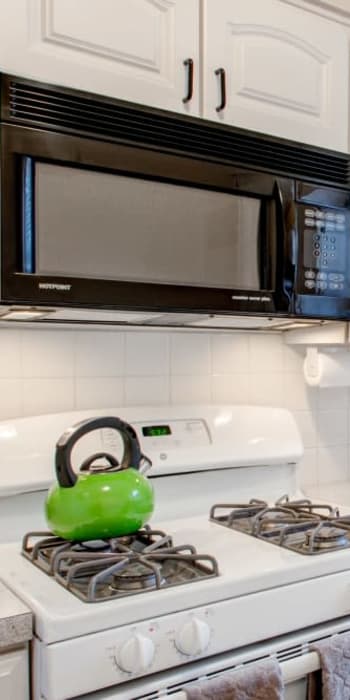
132	456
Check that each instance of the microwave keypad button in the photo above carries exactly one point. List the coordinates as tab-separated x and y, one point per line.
330	216
340	227
309	222
317	246
332	239
316	253
321	285
309	284
321	276
309	274
340	218
319	215
330	227
309	212
336	277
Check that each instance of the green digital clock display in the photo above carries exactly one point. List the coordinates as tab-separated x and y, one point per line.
156	430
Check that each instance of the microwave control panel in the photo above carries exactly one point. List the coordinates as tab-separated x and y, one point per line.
324	233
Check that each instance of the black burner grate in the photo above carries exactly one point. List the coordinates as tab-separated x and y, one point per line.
108	569
300	525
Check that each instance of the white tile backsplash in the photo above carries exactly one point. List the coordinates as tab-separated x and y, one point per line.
332	463
332	399
92	392
141	391
190	354
10	354
46	370
47	353
47	395
266	354
10	398
146	354
307	468
306	422
332	428
230	353
297	395
99	354
190	389
267	389
231	388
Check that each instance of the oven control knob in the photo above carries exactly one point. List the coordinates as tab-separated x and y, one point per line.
193	638
136	654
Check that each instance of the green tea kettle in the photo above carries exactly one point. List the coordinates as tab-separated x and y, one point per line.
102	501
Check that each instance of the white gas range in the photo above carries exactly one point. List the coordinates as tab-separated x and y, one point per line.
187	618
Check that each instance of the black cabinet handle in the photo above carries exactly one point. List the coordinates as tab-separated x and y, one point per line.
222	74
189	64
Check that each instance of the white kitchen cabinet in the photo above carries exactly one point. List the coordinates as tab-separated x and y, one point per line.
14	675
286	70
130	49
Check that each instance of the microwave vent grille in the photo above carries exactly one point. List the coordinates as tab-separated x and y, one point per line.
60	109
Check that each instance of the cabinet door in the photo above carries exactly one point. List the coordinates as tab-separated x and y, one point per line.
14	675
286	70
130	49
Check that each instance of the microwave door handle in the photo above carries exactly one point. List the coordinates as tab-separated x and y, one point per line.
266	247
286	243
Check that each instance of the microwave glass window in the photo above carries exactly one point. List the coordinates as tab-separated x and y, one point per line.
109	226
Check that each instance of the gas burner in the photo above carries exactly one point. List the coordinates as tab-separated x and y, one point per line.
327	536
299	525
108	569
137	577
270	520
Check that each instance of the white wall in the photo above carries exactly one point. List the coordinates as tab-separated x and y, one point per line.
43	371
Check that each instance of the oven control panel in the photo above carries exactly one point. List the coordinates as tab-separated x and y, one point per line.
324	234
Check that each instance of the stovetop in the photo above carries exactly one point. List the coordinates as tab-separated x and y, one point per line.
148	560
301	525
248	566
97	571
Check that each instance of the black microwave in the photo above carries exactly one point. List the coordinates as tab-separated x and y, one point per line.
112	206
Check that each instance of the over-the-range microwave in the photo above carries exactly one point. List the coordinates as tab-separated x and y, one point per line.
136	213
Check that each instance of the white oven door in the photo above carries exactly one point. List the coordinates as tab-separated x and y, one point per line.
172	685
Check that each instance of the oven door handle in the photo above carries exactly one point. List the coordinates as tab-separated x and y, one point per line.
292	670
